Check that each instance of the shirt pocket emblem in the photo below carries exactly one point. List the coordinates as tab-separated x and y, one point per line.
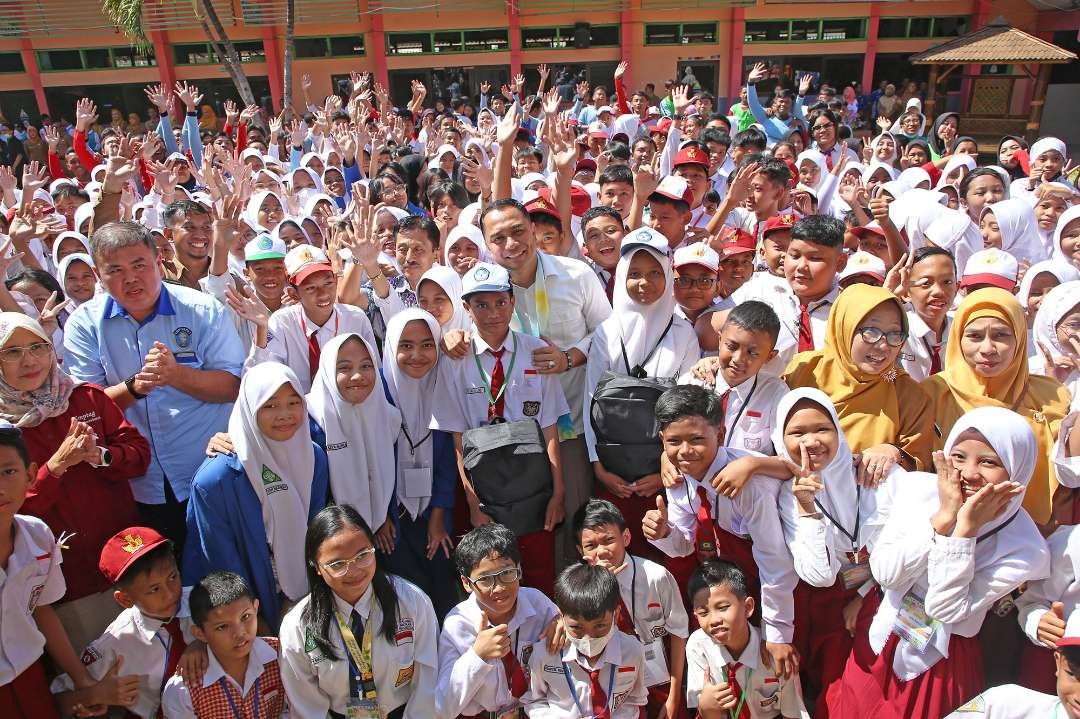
404	675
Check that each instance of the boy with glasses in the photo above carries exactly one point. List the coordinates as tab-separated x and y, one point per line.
696	269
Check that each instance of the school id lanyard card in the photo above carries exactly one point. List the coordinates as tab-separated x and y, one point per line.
366	704
573	692
232	704
486	381
728	676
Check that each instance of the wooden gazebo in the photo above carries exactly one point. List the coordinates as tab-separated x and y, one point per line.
988	104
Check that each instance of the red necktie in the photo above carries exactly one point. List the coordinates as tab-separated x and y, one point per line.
806	335
723	409
623	620
705	532
515	676
313	353
935	359
177	645
611	287
497	378
744	712
597	696
828	159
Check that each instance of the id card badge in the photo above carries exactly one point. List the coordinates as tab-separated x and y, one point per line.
416	481
913	624
656	668
855	574
363	709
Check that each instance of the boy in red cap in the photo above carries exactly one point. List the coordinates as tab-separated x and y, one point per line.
692	164
736	259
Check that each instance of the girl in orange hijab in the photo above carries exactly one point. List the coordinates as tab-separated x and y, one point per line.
858	370
986	365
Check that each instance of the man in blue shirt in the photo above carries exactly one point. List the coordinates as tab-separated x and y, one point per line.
167	355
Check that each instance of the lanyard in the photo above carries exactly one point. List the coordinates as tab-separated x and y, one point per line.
742	700
639	369
633	594
742	407
542	305
232	704
854	534
303	323
168	648
573	692
487	383
359	658
414	445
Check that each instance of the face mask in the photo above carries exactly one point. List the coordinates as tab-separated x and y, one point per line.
592	646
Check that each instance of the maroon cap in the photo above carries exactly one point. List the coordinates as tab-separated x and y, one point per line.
124	548
691	156
580	202
585	164
734	241
663	126
778	222
542	205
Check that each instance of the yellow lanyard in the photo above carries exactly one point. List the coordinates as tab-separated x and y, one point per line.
360	658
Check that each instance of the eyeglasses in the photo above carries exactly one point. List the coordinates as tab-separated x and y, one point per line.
340	567
821	128
393	189
873	335
702	283
486	582
13	355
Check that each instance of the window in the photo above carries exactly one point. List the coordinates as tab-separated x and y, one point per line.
830	29
60	60
343	46
604	35
11	62
94	58
842	29
892	27
408	43
950	26
698	33
921	27
447	41
97	58
767	31
203	53
559	38
486	40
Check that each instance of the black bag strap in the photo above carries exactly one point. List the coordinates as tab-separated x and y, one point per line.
626	362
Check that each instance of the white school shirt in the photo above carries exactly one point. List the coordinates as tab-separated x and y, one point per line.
577	303
751	515
549	693
469	685
32	578
176	699
1061	586
461	402
751	411
404	667
144	644
1066	469
1011	701
916	354
288	334
673	357
767	694
778	295
654	601
747	220
699	218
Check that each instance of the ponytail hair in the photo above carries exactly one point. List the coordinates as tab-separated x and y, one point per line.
319	612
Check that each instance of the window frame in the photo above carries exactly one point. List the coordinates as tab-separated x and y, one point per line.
820	37
388	35
111	50
679	34
329	47
569	37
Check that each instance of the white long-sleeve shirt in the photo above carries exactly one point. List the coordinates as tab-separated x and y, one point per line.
1061	586
654	601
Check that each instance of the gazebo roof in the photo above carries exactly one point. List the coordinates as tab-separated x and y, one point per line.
997	43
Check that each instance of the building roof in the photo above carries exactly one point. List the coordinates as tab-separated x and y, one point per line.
997	43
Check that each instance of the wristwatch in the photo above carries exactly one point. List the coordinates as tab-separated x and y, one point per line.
106	457
130	384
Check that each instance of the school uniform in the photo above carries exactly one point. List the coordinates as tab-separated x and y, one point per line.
564	685
215	285
470	686
778	295
404	667
750	411
1011	701
219	696
922	354
747	220
745	529
32	578
149	646
291	334
767	693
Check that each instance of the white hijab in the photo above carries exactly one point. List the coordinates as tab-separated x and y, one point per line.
1055	305
469	232
956	161
60	239
414	399
61	272
874	146
1018	227
358	446
954	231
639	326
1073	213
876	165
1063	271
450	282
1014	554
818	159
252	212
913	176
279	472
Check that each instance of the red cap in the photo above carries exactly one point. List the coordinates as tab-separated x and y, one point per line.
585	164
580	202
675	188
543	205
793	171
663	126
691	156
736	240
778	222
872	229
124	548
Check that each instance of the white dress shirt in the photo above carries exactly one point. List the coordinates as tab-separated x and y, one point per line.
577	305
32	578
1011	701
469	685
767	694
176	699
751	411
917	352
290	329
1061	586
654	601
461	401
621	666
776	293
404	667
751	515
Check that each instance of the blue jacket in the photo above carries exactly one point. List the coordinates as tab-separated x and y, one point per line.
775	128
225	527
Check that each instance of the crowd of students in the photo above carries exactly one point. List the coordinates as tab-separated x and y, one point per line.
395	412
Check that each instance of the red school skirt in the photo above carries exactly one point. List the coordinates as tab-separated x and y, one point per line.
868	687
28	696
1037	668
821	639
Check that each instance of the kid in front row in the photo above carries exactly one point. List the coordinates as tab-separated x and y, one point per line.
487	639
650	607
602	672
729	671
242	672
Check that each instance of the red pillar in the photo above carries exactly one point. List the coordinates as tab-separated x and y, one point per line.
514	28
376	47
626	42
738	28
29	58
871	48
274	70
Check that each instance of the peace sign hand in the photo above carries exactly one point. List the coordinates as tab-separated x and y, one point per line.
1059	367
805	483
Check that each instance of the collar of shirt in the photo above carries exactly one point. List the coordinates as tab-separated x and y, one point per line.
260	655
718	463
362	606
523	612
309	324
739	391
625	578
149	626
612	653
814	305
25	550
181	274
550	266
481	346
918	328
164	307
751	654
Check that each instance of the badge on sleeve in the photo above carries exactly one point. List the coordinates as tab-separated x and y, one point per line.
90	655
975	706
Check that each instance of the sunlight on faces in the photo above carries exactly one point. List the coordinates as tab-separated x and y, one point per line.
1068	328
1068	684
490	312
667	219
1043	283
268	278
809	173
696	177
414	253
548	237
79	281
1070	242
270	212
689	292
334	182
988	345
773	249
500	600
509	237
345	545
317	294
384	232
876	177
417	351
132	275
291	235
645	282
810	268
915	155
35	291
604	545
690	444
69	246
877	246
764	195
810	425
880	356
988	228
722	615
1007	153
909	123
354	371
281	415
446	211
156	593
301	181
742	352
31	371
617	195
984	190
581	628
230	630
1048	163
735	270
932	288
433	299
462	255
886	148
977	462
603	237
1047	212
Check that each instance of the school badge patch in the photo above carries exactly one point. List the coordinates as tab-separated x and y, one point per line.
89	656
182	336
975	706
272	482
530	409
404	676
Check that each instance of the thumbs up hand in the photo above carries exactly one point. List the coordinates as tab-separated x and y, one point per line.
655	522
492	642
1052	625
716	696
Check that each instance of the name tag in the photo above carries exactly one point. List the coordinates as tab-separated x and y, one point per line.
913	624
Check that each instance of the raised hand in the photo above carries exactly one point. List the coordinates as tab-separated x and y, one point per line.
85	114
883	123
52	137
51	310
246	304
804	83
159	97
654	525
305	82
232	112
492	642
508	127
35	176
898	279
716	696
188	94
950	496
542	68
759	73
621	69
485	87
987	504
739	188
805	483
680	98
119	168
1052	625
582	89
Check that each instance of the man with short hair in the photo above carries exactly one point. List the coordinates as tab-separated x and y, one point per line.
187	226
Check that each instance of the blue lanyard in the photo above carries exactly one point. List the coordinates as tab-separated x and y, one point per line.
165	667
232	704
573	692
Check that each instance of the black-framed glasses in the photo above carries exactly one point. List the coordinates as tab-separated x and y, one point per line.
819	128
702	283
486	582
873	335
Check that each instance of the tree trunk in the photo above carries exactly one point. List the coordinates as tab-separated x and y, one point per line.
224	49
290	51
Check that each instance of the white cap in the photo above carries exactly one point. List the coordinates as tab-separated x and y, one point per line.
303	261
485	277
645	237
697	254
675	188
993	267
864	263
265	247
603	109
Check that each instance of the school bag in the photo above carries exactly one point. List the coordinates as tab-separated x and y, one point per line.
508	465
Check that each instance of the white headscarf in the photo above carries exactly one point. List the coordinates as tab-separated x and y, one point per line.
1014	554
362	470
912	177
874	145
1064	272
914	106
1018	227
954	162
279	472
61	272
414	399
638	326
818	159
955	232
450	282
873	167
473	142
1073	213
60	239
251	214
1055	305
1045	144
469	232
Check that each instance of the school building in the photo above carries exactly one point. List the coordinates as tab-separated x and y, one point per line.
55	51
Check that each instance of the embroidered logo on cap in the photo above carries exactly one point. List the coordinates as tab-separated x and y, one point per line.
481	274
132	543
991	257
643	235
699	251
265	243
